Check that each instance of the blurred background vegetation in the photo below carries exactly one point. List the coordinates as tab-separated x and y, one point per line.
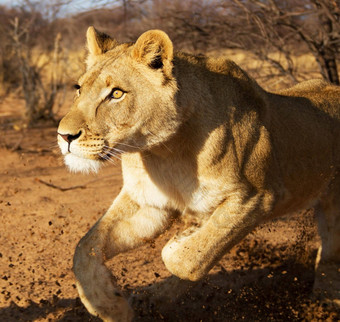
279	42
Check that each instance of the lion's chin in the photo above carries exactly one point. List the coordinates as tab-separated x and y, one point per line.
78	164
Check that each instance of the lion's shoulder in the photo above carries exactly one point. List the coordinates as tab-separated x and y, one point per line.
226	81
220	65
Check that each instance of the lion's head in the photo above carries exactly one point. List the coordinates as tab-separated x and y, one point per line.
125	100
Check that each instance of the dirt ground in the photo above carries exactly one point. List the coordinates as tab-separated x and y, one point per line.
45	210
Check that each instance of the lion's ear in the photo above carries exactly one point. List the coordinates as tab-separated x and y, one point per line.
98	43
154	48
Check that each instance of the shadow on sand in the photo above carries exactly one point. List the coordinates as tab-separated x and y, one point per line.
279	292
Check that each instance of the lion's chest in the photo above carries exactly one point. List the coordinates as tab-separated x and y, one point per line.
169	187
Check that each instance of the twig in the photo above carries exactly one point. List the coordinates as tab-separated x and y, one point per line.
84	186
60	188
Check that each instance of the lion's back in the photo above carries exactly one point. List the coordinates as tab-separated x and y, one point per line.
321	94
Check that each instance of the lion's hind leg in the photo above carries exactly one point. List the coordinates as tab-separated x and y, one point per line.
327	268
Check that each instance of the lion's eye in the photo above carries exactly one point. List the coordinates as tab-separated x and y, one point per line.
116	93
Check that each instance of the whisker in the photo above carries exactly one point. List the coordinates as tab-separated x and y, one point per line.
106	158
118	150
113	155
113	150
131	146
111	161
53	145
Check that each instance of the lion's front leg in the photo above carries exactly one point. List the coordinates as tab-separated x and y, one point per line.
191	255
123	227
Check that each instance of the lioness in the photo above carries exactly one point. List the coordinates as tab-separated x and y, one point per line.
197	135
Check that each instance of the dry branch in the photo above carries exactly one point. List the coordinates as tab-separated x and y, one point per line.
83	186
60	188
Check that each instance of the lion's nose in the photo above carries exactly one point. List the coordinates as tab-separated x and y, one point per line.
70	137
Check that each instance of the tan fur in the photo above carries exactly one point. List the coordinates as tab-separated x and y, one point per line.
197	136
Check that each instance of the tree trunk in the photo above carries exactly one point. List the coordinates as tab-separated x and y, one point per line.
329	65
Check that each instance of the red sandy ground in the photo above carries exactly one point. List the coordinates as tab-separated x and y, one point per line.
268	276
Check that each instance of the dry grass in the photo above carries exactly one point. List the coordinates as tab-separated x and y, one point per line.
72	66
305	67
